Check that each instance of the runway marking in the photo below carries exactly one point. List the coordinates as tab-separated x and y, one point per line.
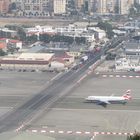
82	78
51	131
61	132
101	110
43	131
111	75
56	76
104	75
120	76
19	128
69	132
34	131
91	133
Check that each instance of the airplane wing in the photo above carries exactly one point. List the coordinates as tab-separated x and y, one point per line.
103	102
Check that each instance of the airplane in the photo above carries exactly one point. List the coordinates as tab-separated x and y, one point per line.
105	100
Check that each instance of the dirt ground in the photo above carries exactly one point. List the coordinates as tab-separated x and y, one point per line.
33	21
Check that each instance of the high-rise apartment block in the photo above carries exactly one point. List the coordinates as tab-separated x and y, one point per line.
4	6
59	6
36	7
79	4
105	6
124	6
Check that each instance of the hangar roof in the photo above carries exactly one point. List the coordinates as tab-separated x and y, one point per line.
36	56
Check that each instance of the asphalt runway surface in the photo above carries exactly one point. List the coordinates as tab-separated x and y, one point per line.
18	87
73	113
16	119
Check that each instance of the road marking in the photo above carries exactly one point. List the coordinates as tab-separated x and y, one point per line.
19	128
69	132
34	131
61	132
43	131
82	78
87	132
101	110
121	76
89	72
56	76
111	76
52	131
124	76
80	132
104	75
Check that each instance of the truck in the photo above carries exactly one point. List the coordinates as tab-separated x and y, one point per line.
84	58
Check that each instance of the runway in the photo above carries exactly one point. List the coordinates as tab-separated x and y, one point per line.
80	103
49	95
72	113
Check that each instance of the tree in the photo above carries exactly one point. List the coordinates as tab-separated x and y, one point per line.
107	27
45	38
132	11
2	53
32	38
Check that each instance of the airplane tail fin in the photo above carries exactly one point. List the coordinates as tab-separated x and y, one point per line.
127	95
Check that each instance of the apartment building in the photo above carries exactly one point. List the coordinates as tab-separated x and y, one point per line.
4	6
59	6
124	6
79	4
105	6
36	7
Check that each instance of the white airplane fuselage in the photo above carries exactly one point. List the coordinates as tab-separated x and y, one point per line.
105	98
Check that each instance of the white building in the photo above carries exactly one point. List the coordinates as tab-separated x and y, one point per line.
99	34
27	61
36	7
127	64
59	6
